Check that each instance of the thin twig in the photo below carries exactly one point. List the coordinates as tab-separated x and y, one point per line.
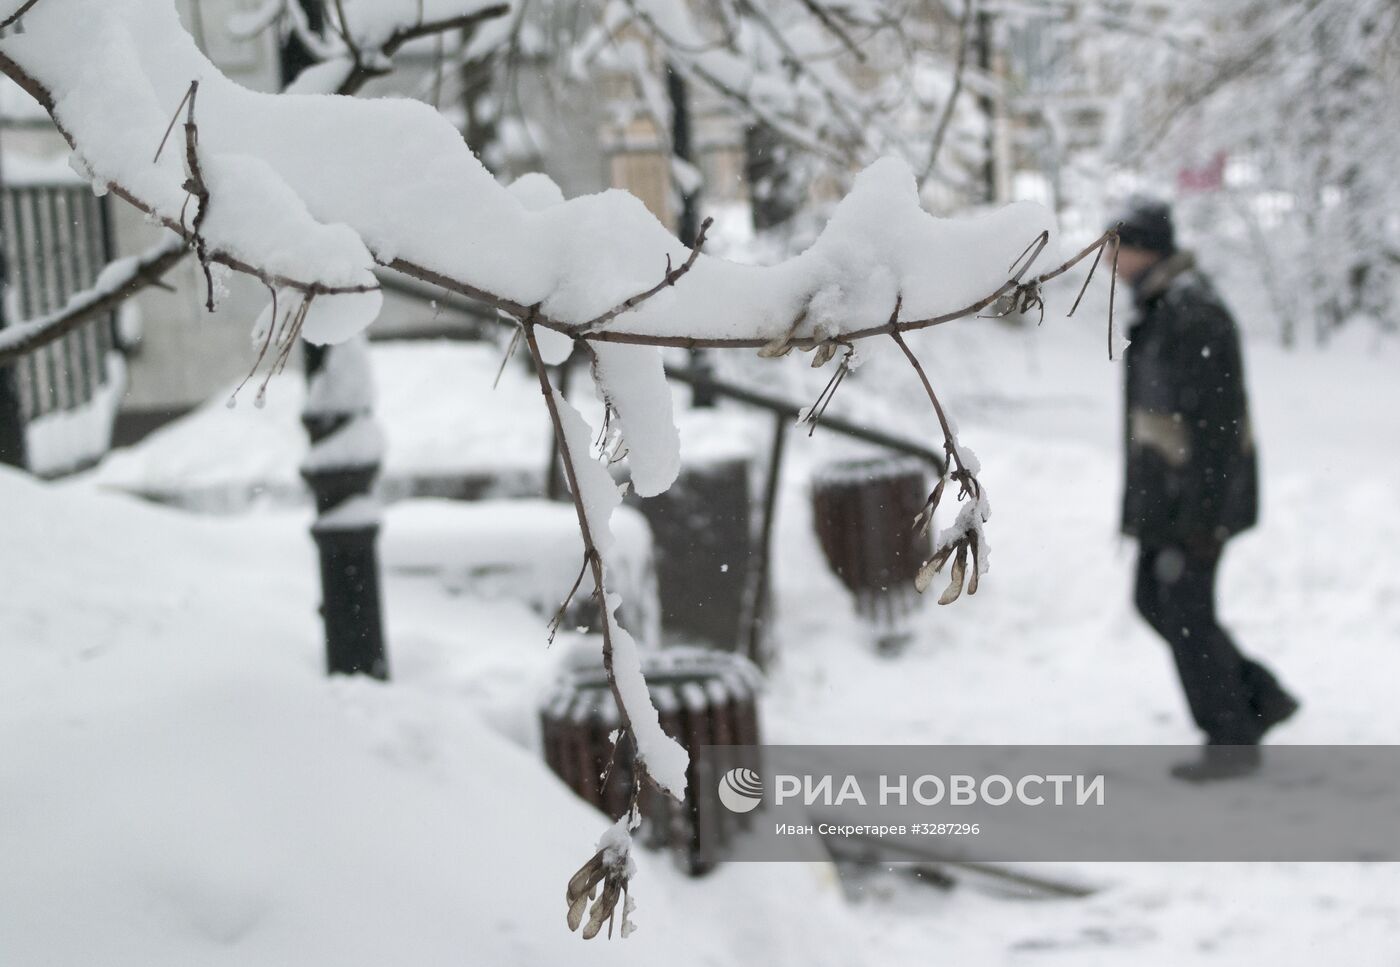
196	187
835	29
262	350
23	9
558	618
1112	290
173	118
510	351
966	481
813	417
1032	250
1087	279
672	276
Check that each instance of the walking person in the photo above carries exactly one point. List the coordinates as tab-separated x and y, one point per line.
1191	484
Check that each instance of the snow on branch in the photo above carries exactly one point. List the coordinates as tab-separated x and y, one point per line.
117	282
397	175
123	278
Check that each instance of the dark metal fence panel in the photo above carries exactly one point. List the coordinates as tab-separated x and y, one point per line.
56	243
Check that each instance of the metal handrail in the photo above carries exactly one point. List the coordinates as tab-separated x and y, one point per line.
689	375
699	377
788	410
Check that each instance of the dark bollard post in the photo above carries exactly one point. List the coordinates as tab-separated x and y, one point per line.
13	442
340	469
341	465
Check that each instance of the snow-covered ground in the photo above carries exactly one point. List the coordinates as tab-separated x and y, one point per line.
180	785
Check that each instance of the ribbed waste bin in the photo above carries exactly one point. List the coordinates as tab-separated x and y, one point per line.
864	514
704	697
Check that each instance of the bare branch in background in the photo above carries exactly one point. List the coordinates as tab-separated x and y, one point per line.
119	282
363	71
14	17
826	19
941	132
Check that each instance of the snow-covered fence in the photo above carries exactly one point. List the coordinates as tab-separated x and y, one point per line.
56	241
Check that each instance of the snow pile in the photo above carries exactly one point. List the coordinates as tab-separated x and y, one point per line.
182	786
61	441
434	400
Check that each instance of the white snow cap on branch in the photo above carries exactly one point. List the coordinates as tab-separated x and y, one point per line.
399	176
632	380
259	219
665	759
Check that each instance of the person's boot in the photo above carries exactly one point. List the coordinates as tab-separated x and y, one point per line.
1218	762
1275	709
1268	701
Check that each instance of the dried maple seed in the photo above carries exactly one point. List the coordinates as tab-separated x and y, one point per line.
955	582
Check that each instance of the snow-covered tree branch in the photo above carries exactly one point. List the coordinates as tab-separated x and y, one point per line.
387	31
311	193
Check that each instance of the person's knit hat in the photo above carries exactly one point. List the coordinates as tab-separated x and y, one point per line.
1147	224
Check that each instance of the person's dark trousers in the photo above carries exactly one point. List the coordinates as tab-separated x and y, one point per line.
1230	696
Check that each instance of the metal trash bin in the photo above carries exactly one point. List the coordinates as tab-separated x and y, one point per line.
864	514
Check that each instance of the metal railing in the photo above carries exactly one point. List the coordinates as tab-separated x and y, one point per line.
785	415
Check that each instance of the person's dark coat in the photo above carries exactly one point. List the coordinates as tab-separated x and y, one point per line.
1192	479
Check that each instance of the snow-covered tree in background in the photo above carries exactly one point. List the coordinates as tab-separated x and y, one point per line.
824	88
1304	101
313	194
